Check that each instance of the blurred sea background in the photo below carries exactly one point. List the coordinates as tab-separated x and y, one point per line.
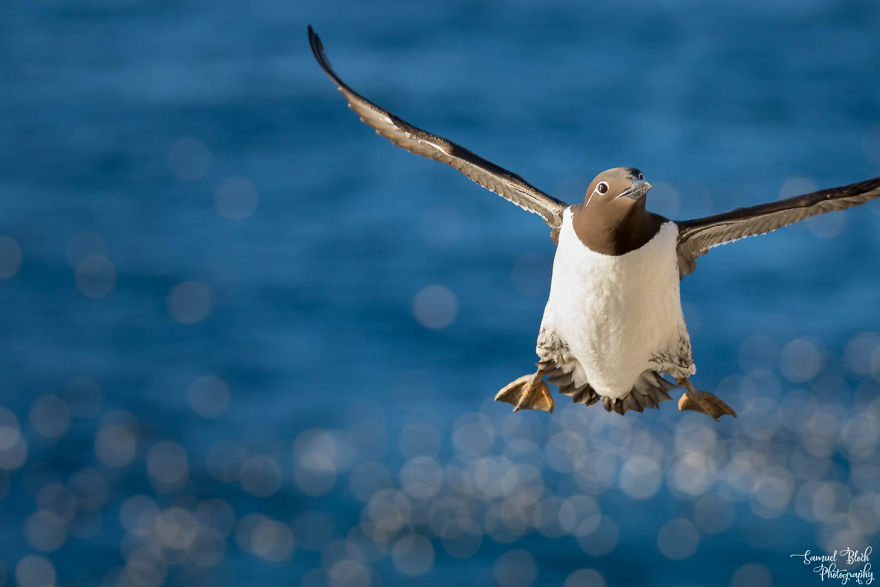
247	342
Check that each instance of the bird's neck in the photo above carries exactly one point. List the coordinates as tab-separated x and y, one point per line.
615	235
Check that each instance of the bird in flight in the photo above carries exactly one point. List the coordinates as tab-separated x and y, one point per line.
613	324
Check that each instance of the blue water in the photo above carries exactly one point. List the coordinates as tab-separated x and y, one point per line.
221	382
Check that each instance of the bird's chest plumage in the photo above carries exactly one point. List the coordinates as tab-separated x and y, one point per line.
617	315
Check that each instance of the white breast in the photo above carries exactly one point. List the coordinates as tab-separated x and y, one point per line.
616	313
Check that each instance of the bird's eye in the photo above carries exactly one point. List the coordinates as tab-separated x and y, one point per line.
602	187
642	177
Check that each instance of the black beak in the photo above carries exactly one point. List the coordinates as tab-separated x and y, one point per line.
636	191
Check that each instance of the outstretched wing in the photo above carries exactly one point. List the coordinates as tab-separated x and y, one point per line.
415	140
696	237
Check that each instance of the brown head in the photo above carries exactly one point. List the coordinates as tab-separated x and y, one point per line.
613	219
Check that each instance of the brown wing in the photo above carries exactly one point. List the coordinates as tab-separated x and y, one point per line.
696	237
415	140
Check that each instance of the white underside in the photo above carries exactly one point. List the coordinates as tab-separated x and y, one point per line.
617	313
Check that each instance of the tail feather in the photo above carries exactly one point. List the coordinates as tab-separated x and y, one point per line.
648	391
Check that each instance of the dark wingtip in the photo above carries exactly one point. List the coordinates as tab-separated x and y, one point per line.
315	44
318	51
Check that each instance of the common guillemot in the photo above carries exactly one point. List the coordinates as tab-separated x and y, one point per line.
613	323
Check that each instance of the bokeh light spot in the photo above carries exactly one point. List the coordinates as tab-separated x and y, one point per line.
826	225
57	500
421	477
95	276
795	186
602	540
146	566
10	257
678	539
713	514
419	439
751	575
860	350
585	578
461	537
412	555
16	454
473	434
640	477
116	441
579	515
10	430
264	537
236	198
318	457
190	302
516	568
216	513
167	465
207	549
89	486
435	307
50	416
349	572
801	360
35	571
261	476
208	396
44	531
